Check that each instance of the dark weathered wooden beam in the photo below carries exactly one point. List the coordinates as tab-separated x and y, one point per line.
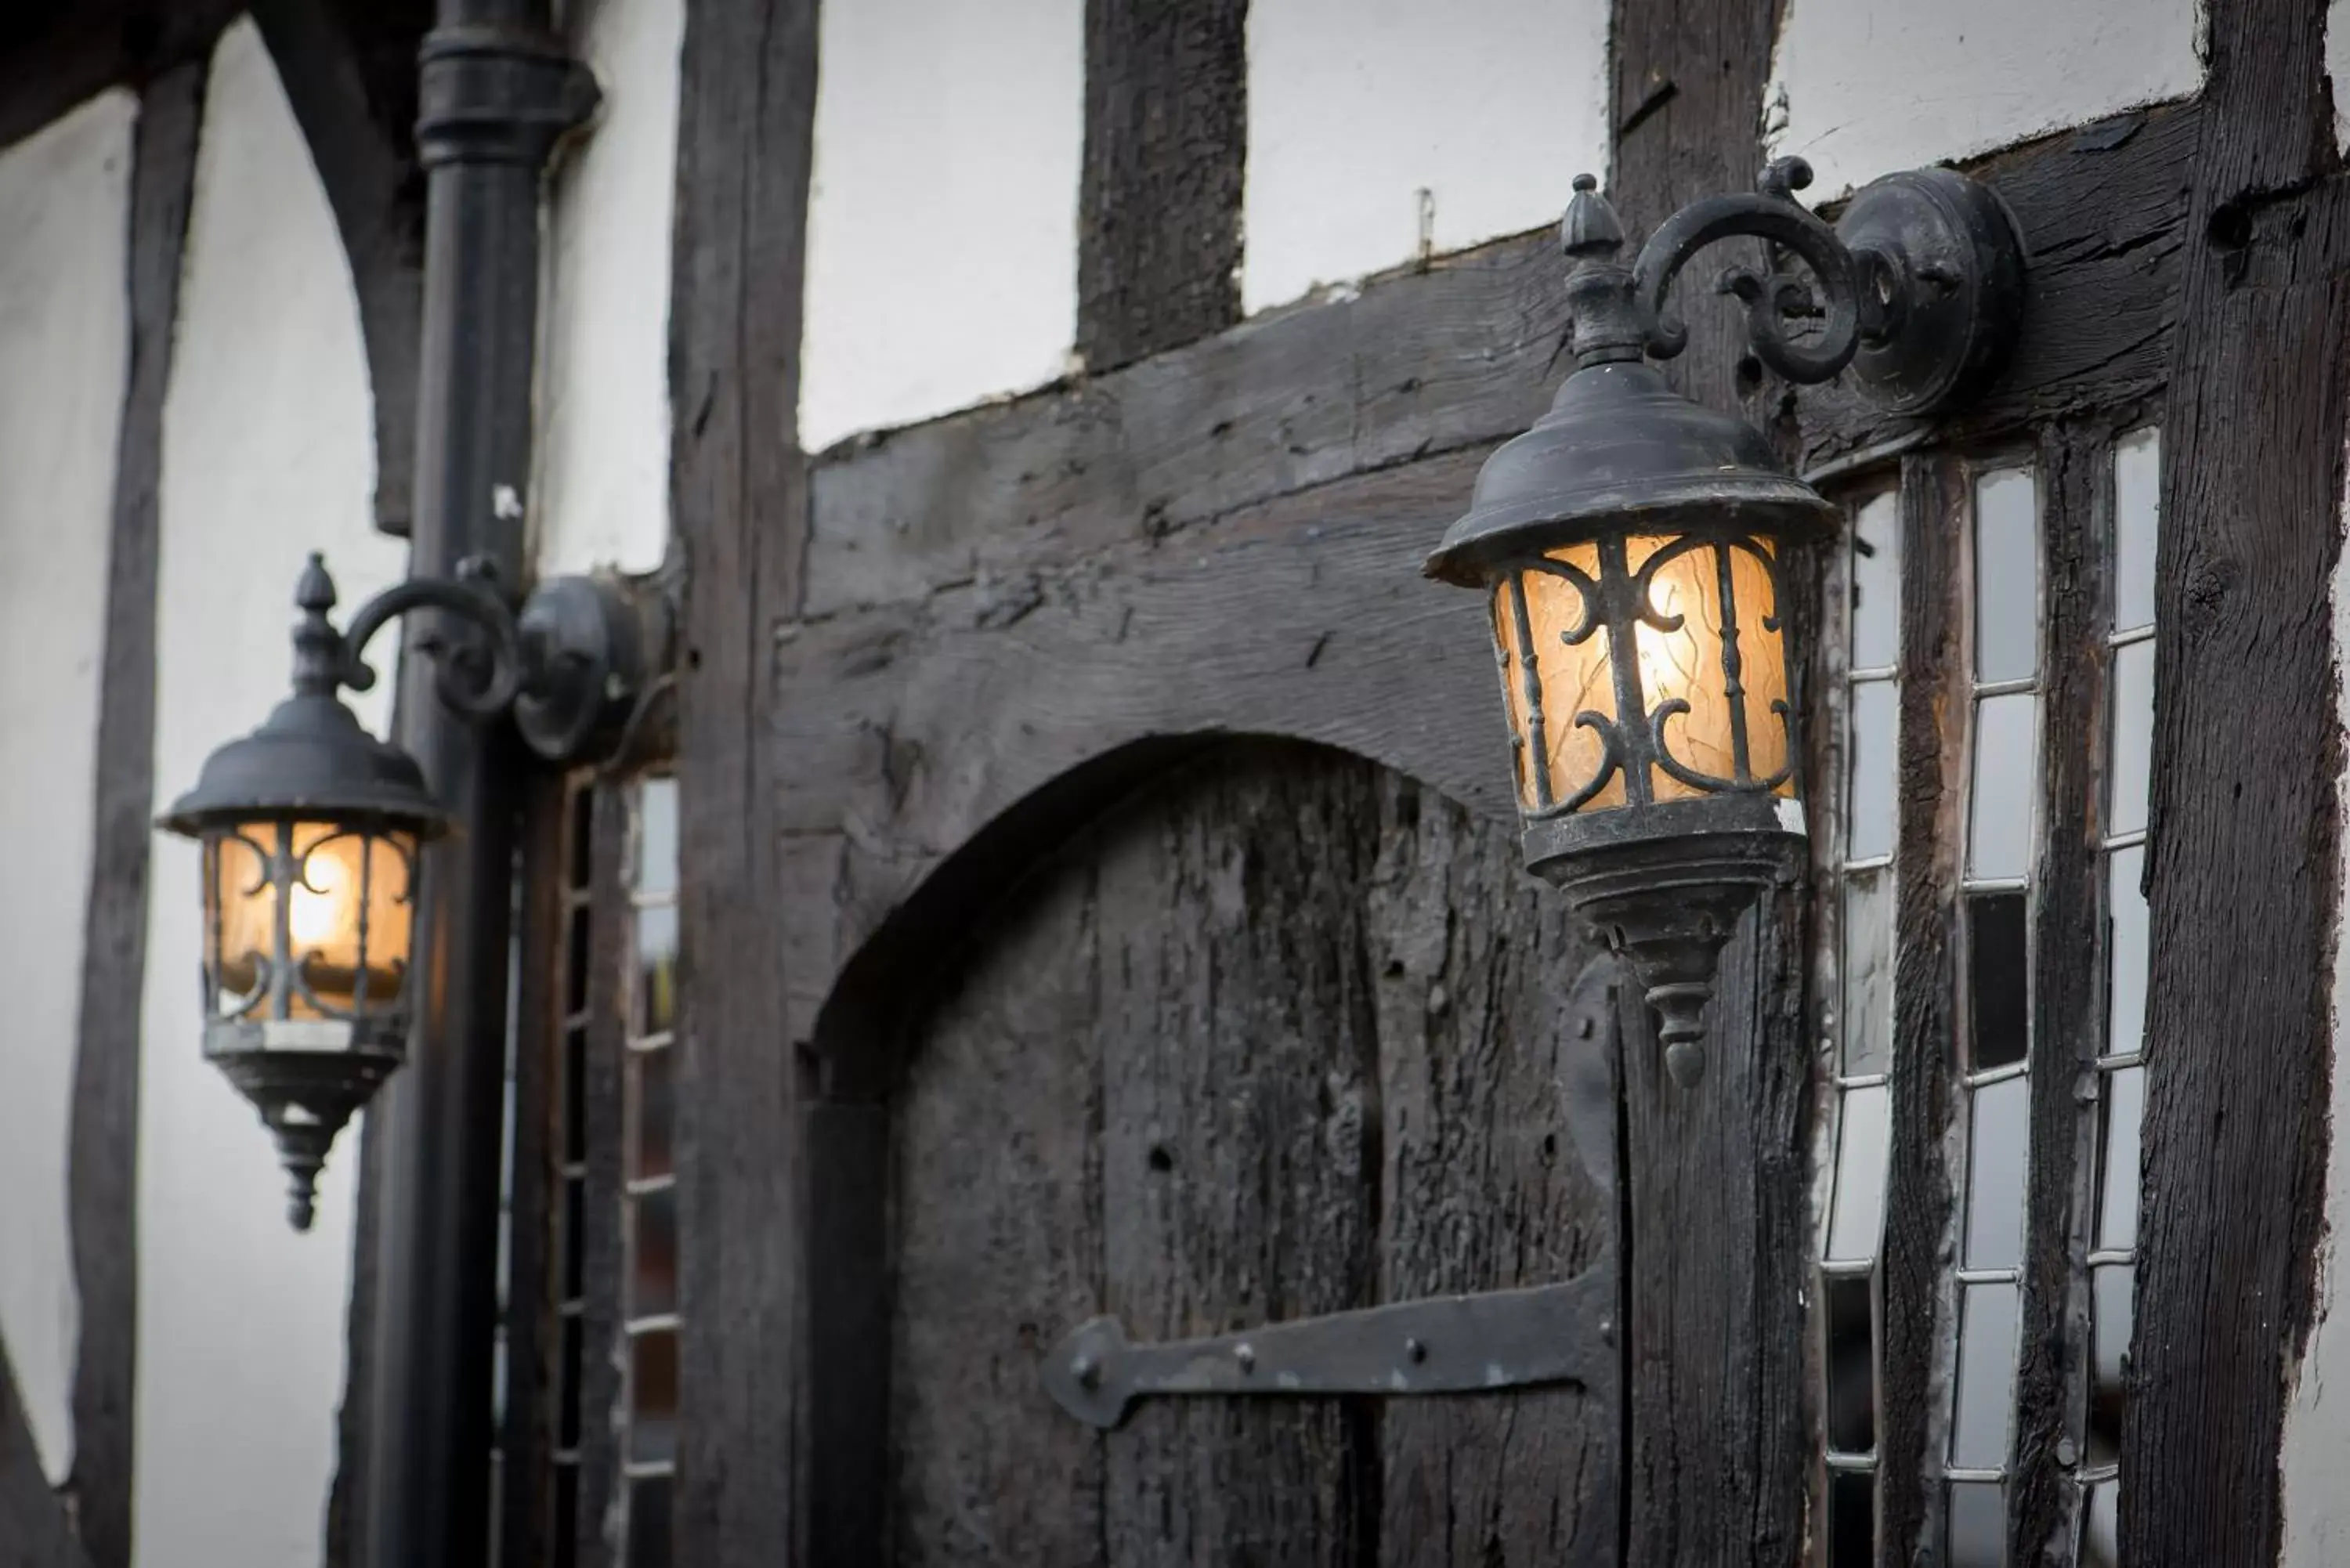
349	71
2068	988
739	497
102	1185
604	1416
56	53
1716	1173
35	1530
1917	1315
1459	355
1159	203
2244	837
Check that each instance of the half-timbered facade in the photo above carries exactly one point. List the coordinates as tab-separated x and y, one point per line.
1056	892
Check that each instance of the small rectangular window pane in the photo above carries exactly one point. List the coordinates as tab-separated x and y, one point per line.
567	1515
2125	1115
652	1396
2101	1534
2109	1337
653	1289
1998	986
1851	1362
654	1100
2133	734
1978	1524
1874	718
1868	971
2138	507
656	867
649	1521
1995	1172
2007	576
574	1095
1860	1218
1999	841
2126	949
1986	1376
1851	1519
575	1237
656	968
1876	585
581	831
576	963
567	1380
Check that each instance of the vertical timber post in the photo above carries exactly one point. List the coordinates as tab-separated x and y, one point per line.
1716	1174
495	92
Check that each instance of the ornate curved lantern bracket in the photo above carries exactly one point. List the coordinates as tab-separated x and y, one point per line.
1918	287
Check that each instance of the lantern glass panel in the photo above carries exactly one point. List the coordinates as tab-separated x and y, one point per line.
340	898
1708	639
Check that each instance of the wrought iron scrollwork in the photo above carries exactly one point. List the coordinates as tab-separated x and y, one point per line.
1918	288
479	676
1771	298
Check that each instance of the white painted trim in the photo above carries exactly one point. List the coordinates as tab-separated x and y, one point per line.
942	221
602	483
65	344
1383	131
1863	88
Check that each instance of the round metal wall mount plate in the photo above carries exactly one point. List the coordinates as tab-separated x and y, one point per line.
1944	260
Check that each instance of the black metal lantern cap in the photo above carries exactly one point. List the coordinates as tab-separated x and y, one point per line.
1620	452
311	759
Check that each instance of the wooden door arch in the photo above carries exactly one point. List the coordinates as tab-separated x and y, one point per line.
1276	1033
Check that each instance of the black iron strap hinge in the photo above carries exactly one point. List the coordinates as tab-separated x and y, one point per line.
1554	1334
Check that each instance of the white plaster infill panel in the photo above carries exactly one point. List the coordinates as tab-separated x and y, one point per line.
601	493
1864	87
268	452
942	221
64	342
2317	1406
1381	130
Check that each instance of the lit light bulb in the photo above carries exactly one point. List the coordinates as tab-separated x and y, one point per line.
321	902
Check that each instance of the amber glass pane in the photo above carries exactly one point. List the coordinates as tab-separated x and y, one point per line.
1575	679
1713	589
346	921
1512	659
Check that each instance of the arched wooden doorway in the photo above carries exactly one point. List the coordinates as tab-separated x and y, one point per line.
1279	1034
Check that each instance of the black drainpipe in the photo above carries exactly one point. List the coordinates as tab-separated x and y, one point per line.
496	92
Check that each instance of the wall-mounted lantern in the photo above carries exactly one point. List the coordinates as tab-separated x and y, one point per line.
1634	547
314	834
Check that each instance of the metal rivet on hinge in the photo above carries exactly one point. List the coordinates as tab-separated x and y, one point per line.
2068	1453
1246	1355
1088	1372
1415	1349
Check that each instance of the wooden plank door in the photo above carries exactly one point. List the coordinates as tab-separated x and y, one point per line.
1279	1036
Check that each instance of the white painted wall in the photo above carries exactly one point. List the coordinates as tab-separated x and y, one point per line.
943	229
1357	107
268	450
64	357
2337	68
1863	88
602	486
